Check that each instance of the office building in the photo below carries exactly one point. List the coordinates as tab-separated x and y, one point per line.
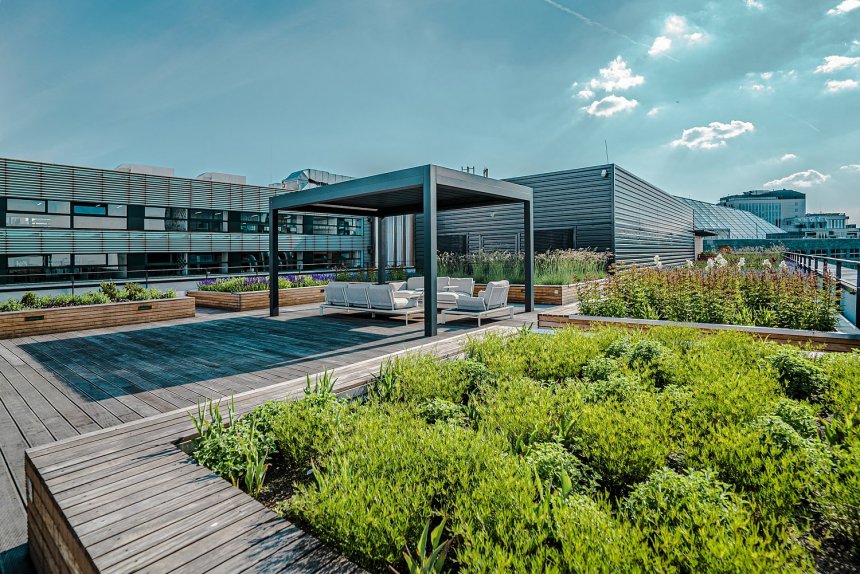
778	207
60	222
602	207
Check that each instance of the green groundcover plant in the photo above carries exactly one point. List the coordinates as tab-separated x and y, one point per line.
108	293
600	451
558	267
720	292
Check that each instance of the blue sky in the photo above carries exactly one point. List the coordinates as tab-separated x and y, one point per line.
701	98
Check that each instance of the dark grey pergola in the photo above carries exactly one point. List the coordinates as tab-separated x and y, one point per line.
425	189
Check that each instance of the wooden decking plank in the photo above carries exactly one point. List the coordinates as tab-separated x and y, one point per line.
105	386
32	428
160	540
164	399
137	524
219	543
149	481
80	388
13	528
311	562
253	547
91	482
293	551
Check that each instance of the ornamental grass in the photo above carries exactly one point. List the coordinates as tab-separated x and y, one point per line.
718	293
557	267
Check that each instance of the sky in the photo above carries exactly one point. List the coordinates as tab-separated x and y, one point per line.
702	99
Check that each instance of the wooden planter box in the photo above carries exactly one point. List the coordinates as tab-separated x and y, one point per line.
829	341
61	319
544	294
251	300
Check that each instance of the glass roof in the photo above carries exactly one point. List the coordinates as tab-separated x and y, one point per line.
729	223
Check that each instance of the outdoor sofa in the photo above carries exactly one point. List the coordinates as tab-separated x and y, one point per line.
448	289
491	302
370	298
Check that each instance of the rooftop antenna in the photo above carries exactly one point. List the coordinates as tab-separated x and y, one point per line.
606	147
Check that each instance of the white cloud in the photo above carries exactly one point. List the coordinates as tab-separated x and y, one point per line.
676	32
788	157
851	167
616	76
609	106
661	44
766	75
754	4
654	111
844	7
585	94
712	136
835	63
807	178
840	85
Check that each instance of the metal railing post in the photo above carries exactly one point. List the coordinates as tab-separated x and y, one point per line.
839	269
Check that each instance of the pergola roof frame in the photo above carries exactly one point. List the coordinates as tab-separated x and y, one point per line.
425	189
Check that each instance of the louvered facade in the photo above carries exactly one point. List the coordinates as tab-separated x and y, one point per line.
601	207
57	221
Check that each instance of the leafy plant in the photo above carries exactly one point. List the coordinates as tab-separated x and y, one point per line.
801	378
430	552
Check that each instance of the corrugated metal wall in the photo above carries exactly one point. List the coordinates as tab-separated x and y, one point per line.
27	179
579	200
649	222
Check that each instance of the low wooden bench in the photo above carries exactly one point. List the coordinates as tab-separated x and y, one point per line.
127	498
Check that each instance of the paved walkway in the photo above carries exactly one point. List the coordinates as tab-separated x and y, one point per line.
57	386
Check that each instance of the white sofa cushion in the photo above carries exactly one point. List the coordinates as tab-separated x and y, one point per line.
465	286
414	283
469	303
356	294
335	293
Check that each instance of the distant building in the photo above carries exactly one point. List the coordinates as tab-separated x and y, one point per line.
778	207
823	226
60	223
728	223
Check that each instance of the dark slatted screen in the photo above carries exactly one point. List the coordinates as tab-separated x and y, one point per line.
549	239
457	244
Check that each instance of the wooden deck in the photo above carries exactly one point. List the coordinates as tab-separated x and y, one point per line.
55	387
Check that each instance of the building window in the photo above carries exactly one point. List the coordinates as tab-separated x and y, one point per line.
165	219
252	222
37	213
207	220
100	216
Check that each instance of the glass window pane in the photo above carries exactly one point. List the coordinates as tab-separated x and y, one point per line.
26	261
32	205
153	224
59	260
91	259
90	209
36	220
154	212
116	210
59	207
87	222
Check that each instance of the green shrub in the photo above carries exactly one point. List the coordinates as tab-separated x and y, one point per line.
801	378
552	462
305	429
440	410
696	523
417	378
842	370
798	416
623	442
616	387
840	502
600	368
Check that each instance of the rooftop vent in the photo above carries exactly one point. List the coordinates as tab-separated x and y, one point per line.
310	178
222	177
145	169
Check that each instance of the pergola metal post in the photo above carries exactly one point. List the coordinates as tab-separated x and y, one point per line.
274	306
529	252
379	248
430	252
